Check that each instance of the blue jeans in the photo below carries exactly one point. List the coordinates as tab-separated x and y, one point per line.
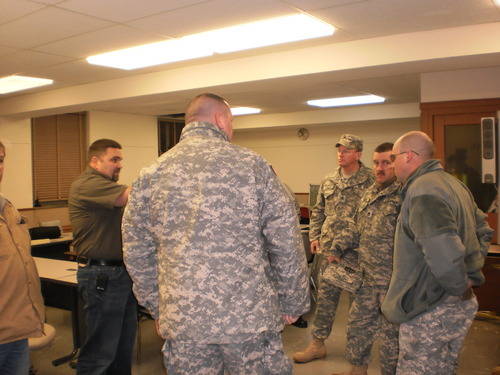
15	358
110	309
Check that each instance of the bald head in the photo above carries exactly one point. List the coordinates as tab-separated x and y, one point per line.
410	151
418	142
213	109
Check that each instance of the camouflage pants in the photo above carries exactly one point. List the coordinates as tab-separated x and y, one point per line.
262	355
431	342
326	307
365	324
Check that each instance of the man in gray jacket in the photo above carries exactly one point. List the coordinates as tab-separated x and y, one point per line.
440	244
213	246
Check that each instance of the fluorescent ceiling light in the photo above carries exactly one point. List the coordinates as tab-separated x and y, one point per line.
497	2
235	38
18	83
266	33
348	100
236	111
153	54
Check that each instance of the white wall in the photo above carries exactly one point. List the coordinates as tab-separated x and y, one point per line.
465	84
137	135
17	182
300	163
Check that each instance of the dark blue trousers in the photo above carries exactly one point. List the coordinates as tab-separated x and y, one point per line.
111	315
14	358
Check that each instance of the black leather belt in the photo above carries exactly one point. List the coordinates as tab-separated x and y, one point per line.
104	262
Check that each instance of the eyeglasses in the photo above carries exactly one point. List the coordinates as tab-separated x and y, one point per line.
393	156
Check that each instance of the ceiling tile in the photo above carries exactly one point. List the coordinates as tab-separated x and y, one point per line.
319	4
12	9
46	25
78	72
450	13
364	20
50	2
125	10
104	40
212	15
386	17
20	62
7	51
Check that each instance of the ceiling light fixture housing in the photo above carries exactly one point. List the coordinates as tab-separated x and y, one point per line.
158	53
346	101
268	32
17	83
237	111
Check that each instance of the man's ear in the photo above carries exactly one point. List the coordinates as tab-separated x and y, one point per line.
93	160
220	121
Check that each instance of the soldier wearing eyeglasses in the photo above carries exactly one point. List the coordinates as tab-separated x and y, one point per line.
440	244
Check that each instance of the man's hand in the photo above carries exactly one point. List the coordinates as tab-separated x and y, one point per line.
315	246
333	259
157	325
290	319
122	199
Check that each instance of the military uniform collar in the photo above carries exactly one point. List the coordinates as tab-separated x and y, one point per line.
361	175
203	129
375	193
391	188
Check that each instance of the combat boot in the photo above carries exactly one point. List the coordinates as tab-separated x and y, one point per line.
355	370
315	350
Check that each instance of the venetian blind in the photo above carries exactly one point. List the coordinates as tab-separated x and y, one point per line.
169	132
58	154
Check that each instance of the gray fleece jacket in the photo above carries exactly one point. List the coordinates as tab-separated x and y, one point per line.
441	241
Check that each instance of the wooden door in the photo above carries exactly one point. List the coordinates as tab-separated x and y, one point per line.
458	146
455	128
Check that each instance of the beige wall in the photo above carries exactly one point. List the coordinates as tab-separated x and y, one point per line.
137	135
17	179
462	84
300	163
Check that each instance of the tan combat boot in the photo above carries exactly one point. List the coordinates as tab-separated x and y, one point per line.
315	350
355	370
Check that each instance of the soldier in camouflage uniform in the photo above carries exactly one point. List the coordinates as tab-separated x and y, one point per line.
338	198
213	245
372	233
440	243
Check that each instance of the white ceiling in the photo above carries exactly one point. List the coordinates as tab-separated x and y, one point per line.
51	38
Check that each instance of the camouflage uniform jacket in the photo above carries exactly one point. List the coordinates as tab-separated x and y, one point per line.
375	226
338	200
212	242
